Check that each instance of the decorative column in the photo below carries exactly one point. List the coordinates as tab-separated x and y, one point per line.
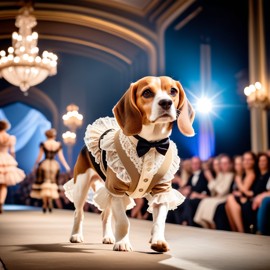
258	91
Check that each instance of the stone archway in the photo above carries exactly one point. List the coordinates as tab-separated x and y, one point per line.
36	99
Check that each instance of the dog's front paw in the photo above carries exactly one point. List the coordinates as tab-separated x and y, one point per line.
76	238
108	240
122	246
160	246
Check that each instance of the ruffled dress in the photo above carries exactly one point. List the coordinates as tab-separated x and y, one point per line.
47	175
10	174
100	136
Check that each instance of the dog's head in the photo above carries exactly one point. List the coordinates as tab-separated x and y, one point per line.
154	100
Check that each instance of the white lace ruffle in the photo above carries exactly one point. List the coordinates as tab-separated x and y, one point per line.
69	187
173	199
174	166
94	131
112	158
130	149
102	198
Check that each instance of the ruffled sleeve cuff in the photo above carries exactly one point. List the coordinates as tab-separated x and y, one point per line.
68	188
174	165
172	199
103	197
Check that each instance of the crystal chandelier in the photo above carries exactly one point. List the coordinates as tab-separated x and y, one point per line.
72	119
22	66
256	95
69	138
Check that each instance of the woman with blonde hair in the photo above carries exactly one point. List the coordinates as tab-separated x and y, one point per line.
48	170
219	188
243	192
10	175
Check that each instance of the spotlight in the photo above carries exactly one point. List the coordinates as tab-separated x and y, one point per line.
204	105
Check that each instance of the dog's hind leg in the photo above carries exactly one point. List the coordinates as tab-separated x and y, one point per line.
83	183
106	216
121	225
158	242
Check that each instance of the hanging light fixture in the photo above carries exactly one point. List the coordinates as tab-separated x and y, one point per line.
73	119
21	65
69	137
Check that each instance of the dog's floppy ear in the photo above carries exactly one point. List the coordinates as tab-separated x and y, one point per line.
187	114
127	113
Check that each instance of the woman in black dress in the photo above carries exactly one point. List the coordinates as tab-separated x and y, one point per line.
48	170
235	200
246	218
220	217
260	190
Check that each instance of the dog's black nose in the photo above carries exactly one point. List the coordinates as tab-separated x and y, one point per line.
165	104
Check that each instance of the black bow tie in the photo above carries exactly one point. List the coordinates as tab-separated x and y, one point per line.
144	146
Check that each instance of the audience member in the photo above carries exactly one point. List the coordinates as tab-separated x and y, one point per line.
247	219
220	218
195	190
185	172
212	165
239	197
219	188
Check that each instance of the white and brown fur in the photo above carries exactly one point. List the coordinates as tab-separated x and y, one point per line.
148	108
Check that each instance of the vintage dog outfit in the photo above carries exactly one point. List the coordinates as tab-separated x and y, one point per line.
151	166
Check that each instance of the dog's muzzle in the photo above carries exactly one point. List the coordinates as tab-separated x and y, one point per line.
165	104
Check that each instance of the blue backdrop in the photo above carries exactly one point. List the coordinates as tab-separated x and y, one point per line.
28	125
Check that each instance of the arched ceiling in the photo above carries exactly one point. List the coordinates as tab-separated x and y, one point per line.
124	33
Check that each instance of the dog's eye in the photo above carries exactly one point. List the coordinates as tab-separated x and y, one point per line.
147	93
173	92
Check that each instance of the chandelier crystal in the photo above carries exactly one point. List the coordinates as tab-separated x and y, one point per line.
21	65
69	137
72	119
256	95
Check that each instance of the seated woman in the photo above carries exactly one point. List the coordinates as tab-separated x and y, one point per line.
212	165
195	190
220	217
219	188
260	190
185	172
236	200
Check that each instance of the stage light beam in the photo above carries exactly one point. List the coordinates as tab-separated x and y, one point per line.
204	105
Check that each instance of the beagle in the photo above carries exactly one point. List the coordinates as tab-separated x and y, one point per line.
130	156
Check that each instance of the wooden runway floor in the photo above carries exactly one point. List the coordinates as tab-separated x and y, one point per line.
33	240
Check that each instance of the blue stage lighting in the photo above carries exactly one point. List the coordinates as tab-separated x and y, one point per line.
204	105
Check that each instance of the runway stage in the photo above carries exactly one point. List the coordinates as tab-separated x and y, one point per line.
33	240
